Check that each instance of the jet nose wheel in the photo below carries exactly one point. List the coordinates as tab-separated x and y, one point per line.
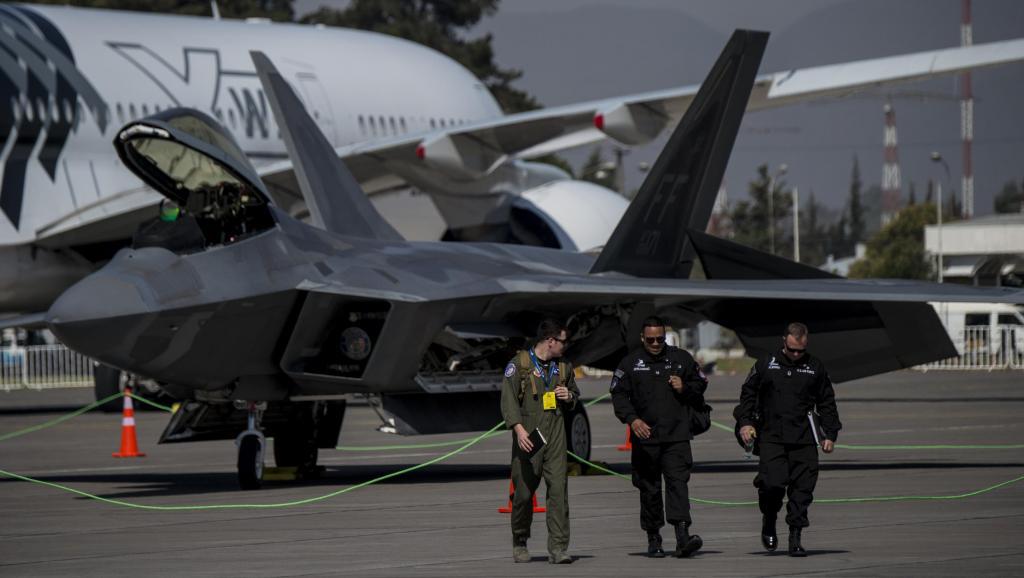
250	462
577	432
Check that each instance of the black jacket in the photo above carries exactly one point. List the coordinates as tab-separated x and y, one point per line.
777	395
640	389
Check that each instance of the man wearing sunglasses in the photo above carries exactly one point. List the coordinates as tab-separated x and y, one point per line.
537	391
788	405
654	390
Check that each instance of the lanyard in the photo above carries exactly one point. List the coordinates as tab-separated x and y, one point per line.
551	373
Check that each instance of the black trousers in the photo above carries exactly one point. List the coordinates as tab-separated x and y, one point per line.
791	470
674	461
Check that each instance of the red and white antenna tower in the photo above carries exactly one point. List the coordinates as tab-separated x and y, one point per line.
890	168
967	115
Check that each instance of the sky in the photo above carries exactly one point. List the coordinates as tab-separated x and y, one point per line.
575	50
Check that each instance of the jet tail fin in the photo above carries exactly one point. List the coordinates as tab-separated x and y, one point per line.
679	192
335	200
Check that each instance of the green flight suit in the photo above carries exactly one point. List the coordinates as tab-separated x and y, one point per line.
522	402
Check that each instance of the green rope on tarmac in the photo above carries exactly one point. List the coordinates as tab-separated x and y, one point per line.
60	419
438	444
825	500
255	506
151	403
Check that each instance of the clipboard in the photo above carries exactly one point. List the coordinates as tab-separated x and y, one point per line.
816	431
538	441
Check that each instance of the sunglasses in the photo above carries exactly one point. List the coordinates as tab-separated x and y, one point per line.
653	340
792	350
562	341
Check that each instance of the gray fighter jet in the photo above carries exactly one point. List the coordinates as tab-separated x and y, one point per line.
261	323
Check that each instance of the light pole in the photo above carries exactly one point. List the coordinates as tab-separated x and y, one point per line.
796	225
936	157
771	206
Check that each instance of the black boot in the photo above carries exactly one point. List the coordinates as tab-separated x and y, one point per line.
654	549
686	544
769	538
795	549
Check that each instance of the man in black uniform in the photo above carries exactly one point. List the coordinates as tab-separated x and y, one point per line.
777	407
654	391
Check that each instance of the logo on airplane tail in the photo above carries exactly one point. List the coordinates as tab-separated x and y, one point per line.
40	89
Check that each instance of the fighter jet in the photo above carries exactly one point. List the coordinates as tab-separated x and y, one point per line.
260	323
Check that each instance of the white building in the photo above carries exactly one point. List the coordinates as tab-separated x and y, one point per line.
980	251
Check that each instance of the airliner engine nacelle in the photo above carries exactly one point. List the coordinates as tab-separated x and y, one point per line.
567	214
631	124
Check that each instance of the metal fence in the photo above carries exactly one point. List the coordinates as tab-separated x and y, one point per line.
985	348
43	367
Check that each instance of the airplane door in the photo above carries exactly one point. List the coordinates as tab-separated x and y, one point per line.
318	104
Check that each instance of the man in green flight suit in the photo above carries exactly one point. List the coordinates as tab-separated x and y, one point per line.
537	391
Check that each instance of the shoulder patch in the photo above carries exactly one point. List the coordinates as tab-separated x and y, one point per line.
619	373
510	369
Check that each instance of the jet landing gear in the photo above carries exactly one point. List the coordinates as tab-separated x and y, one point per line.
251	444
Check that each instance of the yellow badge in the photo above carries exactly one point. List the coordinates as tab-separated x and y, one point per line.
549	400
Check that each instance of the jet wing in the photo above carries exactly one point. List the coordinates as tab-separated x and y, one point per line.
476	148
859	327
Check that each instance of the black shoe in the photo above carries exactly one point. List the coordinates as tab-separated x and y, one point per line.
795	549
769	538
654	549
686	544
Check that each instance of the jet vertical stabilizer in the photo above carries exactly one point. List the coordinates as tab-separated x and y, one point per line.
679	192
335	200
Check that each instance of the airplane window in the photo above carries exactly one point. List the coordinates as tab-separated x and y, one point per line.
120	113
145	110
383	125
132	112
442	123
394	128
432	124
401	122
362	124
156	108
373	126
231	117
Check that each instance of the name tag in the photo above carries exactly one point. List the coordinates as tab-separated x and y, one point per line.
549	400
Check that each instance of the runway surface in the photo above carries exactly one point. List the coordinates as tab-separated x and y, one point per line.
443	520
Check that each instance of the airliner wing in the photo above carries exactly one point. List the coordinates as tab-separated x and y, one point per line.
475	149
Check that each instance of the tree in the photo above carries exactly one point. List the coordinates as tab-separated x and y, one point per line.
1010	199
912	195
897	251
855	210
750	217
279	10
812	233
441	25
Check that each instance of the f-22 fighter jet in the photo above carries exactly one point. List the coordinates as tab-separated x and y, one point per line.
261	323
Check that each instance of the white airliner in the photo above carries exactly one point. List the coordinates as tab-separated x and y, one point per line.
406	119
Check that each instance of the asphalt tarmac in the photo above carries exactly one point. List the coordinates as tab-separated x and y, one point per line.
443	521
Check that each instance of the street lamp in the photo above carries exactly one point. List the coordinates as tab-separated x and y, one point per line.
937	158
771	206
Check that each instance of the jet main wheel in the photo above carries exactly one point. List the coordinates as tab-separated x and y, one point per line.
107	381
577	432
250	463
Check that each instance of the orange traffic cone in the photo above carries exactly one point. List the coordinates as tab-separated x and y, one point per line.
129	445
628	445
512	492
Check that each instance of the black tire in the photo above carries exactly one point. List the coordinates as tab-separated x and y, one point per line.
577	433
296	450
107	382
250	463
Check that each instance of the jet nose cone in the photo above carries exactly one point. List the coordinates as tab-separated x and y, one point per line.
94	316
